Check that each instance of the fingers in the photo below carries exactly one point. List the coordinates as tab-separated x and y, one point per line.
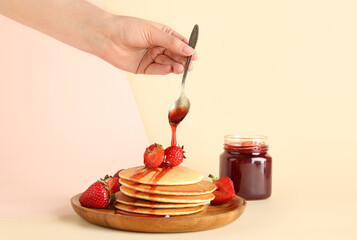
177	67
164	39
165	60
179	36
170	31
158	69
162	63
154	62
179	58
149	58
182	38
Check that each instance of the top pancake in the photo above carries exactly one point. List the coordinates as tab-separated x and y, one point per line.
161	176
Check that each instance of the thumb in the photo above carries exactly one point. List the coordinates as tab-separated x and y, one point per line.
166	40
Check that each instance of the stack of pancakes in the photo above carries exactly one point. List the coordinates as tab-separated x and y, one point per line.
163	191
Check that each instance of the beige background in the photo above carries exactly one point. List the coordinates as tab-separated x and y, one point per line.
285	69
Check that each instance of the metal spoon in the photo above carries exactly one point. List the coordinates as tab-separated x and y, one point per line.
181	106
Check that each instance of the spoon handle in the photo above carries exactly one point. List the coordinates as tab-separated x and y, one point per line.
192	43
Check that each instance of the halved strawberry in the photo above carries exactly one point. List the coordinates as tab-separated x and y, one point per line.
174	155
113	183
154	155
225	190
116	175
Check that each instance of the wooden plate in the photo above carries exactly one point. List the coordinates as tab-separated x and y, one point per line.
211	217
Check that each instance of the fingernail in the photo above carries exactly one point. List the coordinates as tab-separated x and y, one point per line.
180	68
187	49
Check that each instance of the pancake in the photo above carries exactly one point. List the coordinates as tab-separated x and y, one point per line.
161	176
188	189
122	198
158	211
203	198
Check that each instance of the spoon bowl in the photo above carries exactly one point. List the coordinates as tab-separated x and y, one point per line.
179	109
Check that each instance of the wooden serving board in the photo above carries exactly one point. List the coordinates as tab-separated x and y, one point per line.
213	216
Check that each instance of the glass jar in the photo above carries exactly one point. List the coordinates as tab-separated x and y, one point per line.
246	162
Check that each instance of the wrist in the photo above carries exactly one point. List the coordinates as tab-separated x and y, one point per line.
97	32
104	41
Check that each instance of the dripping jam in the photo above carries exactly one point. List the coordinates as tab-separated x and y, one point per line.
175	117
158	173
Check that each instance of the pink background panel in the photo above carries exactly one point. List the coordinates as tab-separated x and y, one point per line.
66	119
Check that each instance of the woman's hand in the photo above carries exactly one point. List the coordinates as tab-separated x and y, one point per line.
140	46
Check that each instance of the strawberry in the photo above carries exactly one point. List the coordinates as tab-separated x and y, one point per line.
224	192
174	155
97	195
113	183
165	165
154	155
116	175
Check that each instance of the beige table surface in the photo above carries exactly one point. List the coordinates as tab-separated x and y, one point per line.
302	54
313	212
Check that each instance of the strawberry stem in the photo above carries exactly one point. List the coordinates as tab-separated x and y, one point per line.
213	178
104	182
105	177
158	146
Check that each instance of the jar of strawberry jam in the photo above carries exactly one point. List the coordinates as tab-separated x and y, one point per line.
246	161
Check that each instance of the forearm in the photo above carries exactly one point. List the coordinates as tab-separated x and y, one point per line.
75	22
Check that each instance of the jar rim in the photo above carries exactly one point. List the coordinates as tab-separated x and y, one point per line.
246	140
244	137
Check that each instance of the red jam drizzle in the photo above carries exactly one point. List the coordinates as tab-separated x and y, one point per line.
158	174
175	117
135	185
140	173
136	193
173	136
152	211
152	188
132	209
164	170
